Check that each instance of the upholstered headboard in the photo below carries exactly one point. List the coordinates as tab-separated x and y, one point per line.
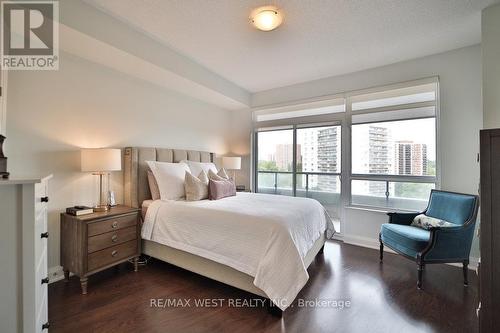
136	187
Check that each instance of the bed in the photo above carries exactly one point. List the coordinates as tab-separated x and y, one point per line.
208	237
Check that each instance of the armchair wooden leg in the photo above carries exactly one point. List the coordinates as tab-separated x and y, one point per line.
466	271
420	271
381	248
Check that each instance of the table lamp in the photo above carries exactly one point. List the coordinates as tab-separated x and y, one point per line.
232	163
100	161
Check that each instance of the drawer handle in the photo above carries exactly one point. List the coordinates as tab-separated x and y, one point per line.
45	326
114	253
44	235
114	225
45	199
114	238
46	280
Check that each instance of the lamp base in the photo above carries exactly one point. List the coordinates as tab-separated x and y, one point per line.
101	208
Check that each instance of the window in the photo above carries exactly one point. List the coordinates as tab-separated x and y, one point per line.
393	154
275	162
318	166
310	167
403	147
391	150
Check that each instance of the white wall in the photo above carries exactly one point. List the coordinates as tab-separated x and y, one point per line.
459	72
491	66
239	141
51	114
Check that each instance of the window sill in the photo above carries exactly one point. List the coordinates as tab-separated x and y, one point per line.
379	209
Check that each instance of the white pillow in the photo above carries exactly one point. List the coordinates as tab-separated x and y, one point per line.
197	167
170	179
426	222
196	187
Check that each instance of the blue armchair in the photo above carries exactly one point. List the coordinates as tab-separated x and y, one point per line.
439	244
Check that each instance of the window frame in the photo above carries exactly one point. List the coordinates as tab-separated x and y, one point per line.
294	172
344	119
436	180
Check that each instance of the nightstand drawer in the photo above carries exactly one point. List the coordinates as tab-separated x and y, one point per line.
111	254
102	241
100	227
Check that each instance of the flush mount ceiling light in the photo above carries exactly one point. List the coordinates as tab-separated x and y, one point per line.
266	18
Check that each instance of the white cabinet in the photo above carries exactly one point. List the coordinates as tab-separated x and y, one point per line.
24	237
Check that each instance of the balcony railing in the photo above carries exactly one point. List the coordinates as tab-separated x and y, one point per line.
331	198
307	174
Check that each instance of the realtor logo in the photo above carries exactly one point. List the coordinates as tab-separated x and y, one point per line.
30	35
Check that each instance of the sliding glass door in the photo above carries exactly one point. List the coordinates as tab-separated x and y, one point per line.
302	161
275	162
318	167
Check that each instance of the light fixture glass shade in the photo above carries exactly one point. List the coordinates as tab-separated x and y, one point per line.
101	159
231	163
266	18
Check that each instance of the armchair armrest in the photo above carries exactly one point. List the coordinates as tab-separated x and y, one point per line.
449	243
401	218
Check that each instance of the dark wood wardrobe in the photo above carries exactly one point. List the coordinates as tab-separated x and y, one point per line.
489	270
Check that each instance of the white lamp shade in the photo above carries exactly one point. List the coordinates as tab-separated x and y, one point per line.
231	163
101	159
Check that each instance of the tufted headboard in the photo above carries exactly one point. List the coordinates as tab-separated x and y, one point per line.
136	187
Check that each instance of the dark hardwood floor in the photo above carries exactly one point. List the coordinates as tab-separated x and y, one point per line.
383	298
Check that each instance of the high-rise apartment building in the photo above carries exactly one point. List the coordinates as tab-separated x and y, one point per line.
374	158
320	151
284	156
410	158
328	151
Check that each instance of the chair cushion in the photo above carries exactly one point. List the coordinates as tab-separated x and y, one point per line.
404	238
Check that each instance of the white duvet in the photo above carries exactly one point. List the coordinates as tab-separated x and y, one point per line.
265	236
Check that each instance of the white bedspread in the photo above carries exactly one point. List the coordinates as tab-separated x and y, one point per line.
265	236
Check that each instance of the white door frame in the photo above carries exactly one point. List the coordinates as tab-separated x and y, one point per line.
3	102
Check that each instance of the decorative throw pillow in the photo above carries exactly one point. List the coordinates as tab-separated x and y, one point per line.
153	186
426	222
197	167
212	175
170	179
218	189
221	175
196	187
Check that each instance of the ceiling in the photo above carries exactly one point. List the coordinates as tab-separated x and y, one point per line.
319	38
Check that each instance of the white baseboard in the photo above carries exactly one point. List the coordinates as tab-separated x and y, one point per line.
374	244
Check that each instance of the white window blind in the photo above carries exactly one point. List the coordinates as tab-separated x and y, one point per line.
317	108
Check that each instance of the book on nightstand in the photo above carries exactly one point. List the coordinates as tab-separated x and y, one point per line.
79	210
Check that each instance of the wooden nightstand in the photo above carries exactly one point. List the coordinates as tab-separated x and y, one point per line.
93	242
